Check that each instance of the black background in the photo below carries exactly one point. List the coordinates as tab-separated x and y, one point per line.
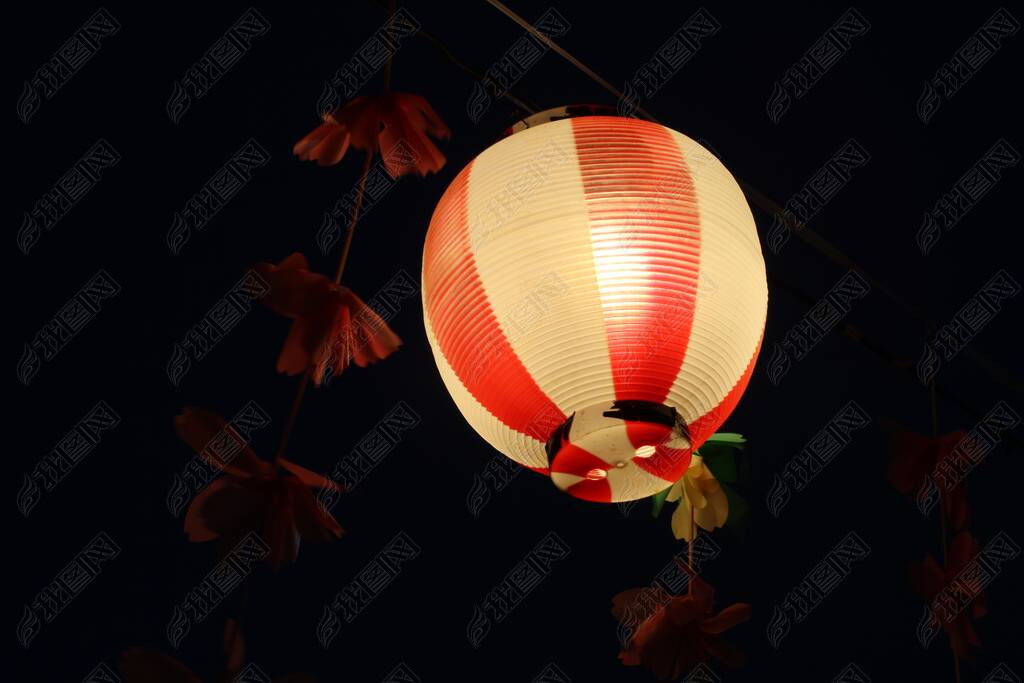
421	487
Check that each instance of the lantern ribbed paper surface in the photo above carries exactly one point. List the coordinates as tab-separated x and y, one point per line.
594	294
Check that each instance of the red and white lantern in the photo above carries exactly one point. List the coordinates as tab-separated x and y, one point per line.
594	294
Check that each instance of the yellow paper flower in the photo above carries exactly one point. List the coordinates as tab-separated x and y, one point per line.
700	492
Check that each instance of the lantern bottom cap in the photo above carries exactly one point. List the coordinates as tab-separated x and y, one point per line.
618	451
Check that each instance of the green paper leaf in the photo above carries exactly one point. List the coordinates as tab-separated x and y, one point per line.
727	437
659	501
714	450
721	462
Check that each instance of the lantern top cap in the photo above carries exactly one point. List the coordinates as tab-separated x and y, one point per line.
569	111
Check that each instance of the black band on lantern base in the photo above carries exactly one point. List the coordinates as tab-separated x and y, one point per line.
627	411
558	437
644	411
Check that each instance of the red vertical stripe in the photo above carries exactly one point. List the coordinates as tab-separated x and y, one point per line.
596	491
645	229
575	460
466	328
668	463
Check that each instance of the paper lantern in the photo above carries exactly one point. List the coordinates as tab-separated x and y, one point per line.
594	294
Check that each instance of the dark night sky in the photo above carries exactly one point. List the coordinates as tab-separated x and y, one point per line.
421	487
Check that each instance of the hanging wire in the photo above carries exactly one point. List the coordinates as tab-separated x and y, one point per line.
521	102
565	55
855	335
768	205
812	238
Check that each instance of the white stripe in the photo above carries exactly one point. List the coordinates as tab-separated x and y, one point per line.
563	480
631	483
732	290
531	239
